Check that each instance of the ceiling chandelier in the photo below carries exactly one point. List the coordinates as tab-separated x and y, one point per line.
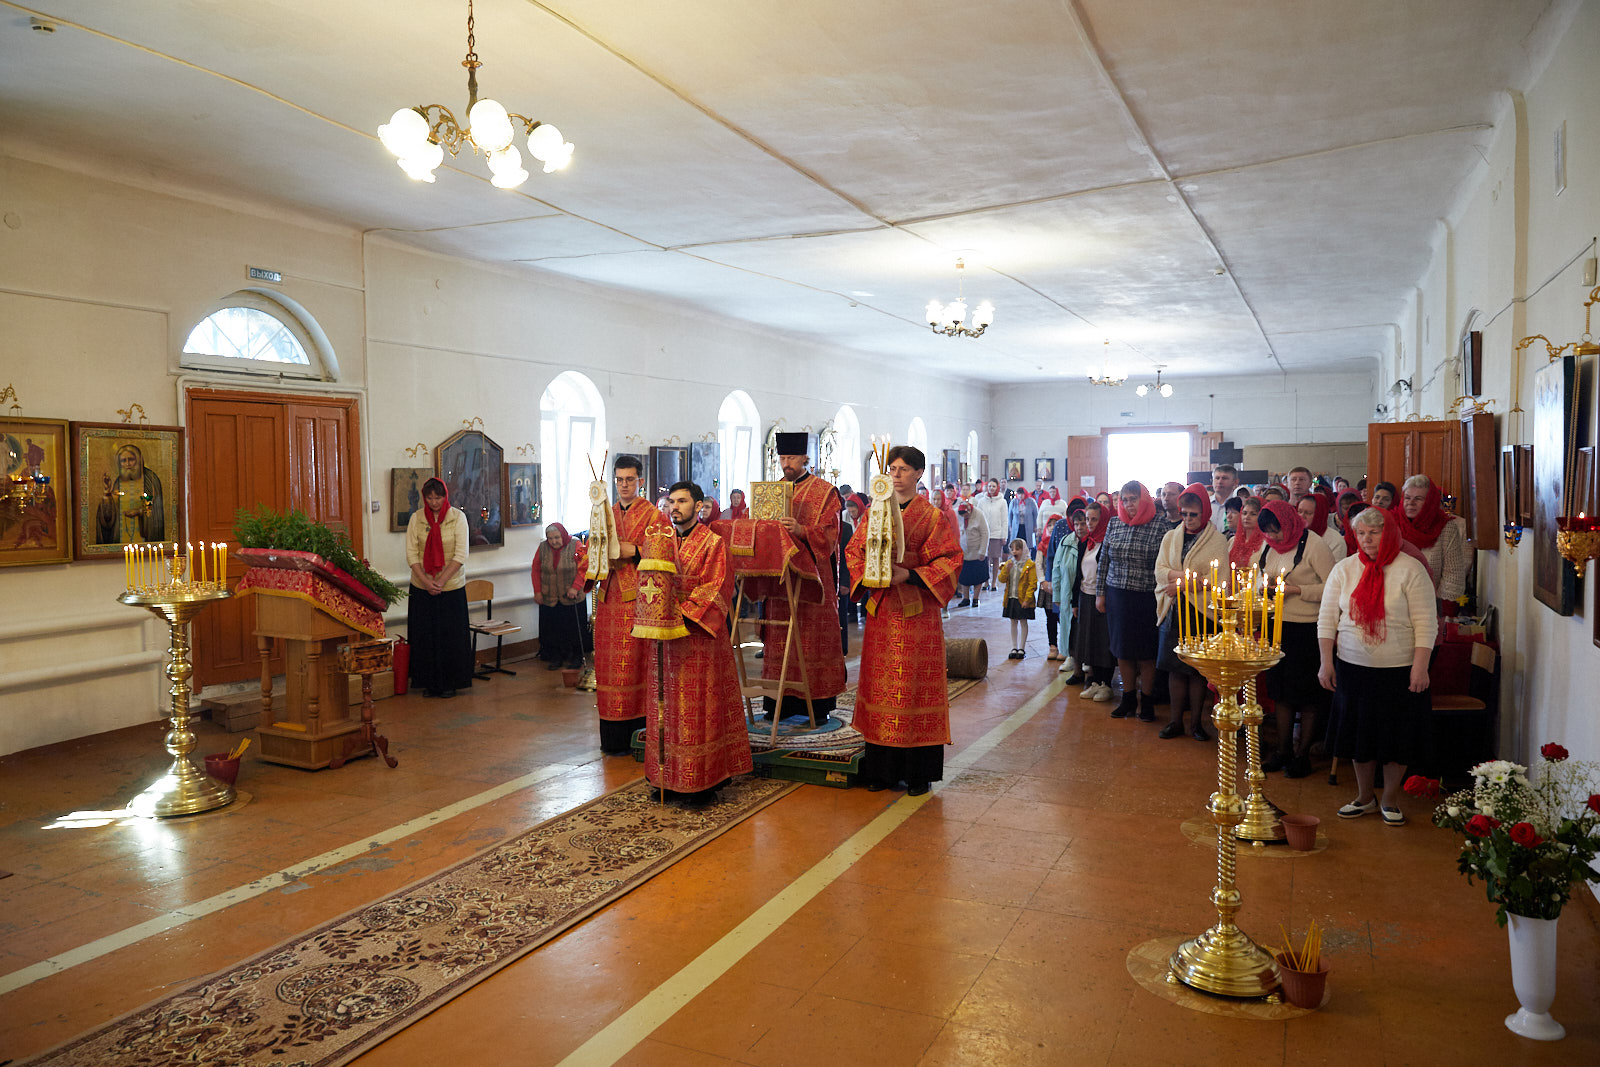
1107	375
1164	388
948	318
419	140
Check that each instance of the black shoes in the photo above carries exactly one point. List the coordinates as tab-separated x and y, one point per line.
1299	766
1277	761
964	602
916	789
1199	733
1171	730
553	665
1126	707
1147	708
1018	653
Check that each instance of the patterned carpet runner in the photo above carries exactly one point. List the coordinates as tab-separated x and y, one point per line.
323	998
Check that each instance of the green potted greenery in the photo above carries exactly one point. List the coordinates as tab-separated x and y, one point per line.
275	538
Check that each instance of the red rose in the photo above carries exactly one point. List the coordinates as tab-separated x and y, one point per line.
1418	786
1524	834
1554	752
1594	803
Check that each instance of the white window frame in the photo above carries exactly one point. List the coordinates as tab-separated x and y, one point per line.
321	363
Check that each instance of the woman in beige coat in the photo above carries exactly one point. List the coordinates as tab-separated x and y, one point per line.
1193	545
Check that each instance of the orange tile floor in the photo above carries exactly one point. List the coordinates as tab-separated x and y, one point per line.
992	926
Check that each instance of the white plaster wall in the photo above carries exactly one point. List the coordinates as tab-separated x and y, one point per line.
1511	235
1266	409
100	284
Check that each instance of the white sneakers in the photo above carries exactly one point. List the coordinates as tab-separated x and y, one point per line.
1098	693
1069	666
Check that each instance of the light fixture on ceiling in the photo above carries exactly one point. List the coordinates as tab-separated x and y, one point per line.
1164	388
1107	375
419	140
949	319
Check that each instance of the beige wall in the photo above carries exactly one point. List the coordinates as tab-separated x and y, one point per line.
1333	458
1511	233
101	283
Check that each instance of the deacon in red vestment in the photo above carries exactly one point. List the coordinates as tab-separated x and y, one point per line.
619	657
813	526
902	706
696	738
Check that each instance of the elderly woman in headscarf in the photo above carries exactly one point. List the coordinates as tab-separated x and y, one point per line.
974	554
1193	545
436	611
1091	639
737	508
709	511
1441	536
1125	590
1375	629
558	567
1299	560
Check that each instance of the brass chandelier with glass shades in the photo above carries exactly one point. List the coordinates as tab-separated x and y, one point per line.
950	319
1107	376
419	139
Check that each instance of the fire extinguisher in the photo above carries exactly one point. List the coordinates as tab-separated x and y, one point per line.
402	666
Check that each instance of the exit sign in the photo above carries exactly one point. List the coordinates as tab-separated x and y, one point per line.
261	274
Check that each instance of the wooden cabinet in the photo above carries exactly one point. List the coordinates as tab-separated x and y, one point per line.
1457	456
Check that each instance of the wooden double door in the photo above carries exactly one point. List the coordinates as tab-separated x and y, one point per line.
252	449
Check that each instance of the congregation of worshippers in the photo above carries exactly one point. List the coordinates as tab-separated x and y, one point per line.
1366	573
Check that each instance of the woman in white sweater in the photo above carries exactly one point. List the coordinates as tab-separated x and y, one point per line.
436	610
1376	629
1193	545
1294	551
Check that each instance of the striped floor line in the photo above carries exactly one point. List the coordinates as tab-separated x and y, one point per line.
625	1032
267	883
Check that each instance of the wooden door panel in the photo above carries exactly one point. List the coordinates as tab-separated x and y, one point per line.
1438	455
322	460
1086	458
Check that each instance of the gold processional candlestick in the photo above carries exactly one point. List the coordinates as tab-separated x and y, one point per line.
176	586
1263	820
1224	960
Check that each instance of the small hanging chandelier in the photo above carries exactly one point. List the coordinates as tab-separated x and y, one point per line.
1107	375
948	318
1164	388
418	139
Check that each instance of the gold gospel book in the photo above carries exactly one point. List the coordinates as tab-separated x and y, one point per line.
770	500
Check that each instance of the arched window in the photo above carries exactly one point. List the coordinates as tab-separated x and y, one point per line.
261	333
972	456
847	447
917	437
739	434
572	432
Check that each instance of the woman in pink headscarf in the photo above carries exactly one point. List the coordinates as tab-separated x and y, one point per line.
1299	560
1125	589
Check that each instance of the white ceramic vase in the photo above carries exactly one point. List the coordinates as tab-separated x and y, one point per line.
1533	976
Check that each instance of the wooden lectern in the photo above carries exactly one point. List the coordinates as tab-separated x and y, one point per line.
311	729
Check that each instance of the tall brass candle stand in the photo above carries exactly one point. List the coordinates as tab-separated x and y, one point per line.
1223	960
1263	820
589	682
184	789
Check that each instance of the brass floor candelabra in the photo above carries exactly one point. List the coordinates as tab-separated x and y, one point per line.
1224	960
184	789
1263	820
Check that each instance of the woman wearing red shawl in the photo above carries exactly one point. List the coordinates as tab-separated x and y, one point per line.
1125	589
1376	629
737	508
1405	546
1091	637
1441	536
1314	509
436	610
1193	545
558	567
708	512
941	500
1247	542
1301	558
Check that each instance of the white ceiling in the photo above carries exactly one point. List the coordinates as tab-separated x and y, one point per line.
1217	187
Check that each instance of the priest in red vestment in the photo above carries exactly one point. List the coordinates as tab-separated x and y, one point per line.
813	526
696	738
619	657
902	705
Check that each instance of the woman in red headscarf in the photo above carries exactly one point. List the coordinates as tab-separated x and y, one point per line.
436	610
1126	591
558	568
1193	545
1298	559
1247	541
1091	636
1441	536
1375	630
737	508
1314	510
708	512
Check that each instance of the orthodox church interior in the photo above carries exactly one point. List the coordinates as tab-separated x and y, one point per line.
264	244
